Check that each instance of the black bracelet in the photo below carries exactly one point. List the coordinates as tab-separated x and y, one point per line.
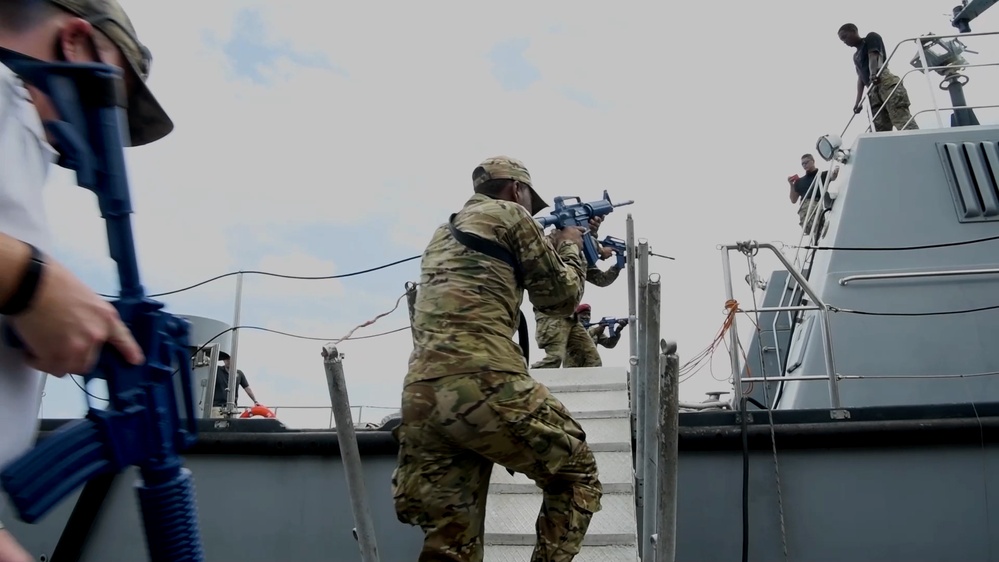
28	286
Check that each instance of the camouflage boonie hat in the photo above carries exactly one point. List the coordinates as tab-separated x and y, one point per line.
506	168
147	121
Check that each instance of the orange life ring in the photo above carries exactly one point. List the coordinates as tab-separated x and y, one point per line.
257	411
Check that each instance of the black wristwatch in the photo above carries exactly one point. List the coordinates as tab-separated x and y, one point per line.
21	299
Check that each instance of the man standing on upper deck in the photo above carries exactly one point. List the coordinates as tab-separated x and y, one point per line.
889	105
222	378
806	189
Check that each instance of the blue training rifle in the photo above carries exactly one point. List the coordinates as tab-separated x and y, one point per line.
613	324
144	425
579	214
620	248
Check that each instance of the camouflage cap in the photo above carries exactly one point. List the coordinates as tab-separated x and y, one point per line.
506	168
147	121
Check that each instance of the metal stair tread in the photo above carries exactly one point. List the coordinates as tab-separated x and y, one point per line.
618	447
516	514
528	539
587	387
588	375
504	553
601	414
597	400
606	430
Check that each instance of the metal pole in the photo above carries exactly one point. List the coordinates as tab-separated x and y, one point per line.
349	453
779	309
733	333
411	303
638	364
929	83
633	320
963	115
650	417
669	425
834	401
230	405
213	368
791	378
632	297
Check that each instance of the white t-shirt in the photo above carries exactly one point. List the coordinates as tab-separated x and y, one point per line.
25	157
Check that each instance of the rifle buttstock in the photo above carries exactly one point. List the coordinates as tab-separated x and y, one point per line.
41	478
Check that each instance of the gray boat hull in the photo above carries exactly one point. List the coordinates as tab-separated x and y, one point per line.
263	495
888	484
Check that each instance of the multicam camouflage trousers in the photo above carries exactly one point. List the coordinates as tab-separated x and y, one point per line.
565	341
455	428
890	108
810	210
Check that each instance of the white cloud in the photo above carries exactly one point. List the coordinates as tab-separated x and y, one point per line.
702	114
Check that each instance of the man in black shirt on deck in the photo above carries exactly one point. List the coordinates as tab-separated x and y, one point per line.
222	386
800	190
890	108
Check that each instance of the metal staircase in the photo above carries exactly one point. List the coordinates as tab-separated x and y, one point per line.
767	353
598	399
768	350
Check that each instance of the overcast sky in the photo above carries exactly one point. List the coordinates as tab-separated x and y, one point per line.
317	139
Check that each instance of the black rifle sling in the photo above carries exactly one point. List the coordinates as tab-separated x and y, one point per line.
494	250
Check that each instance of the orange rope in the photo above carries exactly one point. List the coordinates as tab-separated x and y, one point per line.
732	306
704	357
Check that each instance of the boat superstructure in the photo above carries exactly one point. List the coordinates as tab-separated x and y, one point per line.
862	422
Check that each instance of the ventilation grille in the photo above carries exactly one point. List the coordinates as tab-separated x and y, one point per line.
971	170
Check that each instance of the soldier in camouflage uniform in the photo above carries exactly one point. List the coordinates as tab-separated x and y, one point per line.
886	93
557	334
468	401
582	352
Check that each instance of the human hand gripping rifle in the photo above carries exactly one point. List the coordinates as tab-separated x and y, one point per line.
612	324
144	425
620	248
579	214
